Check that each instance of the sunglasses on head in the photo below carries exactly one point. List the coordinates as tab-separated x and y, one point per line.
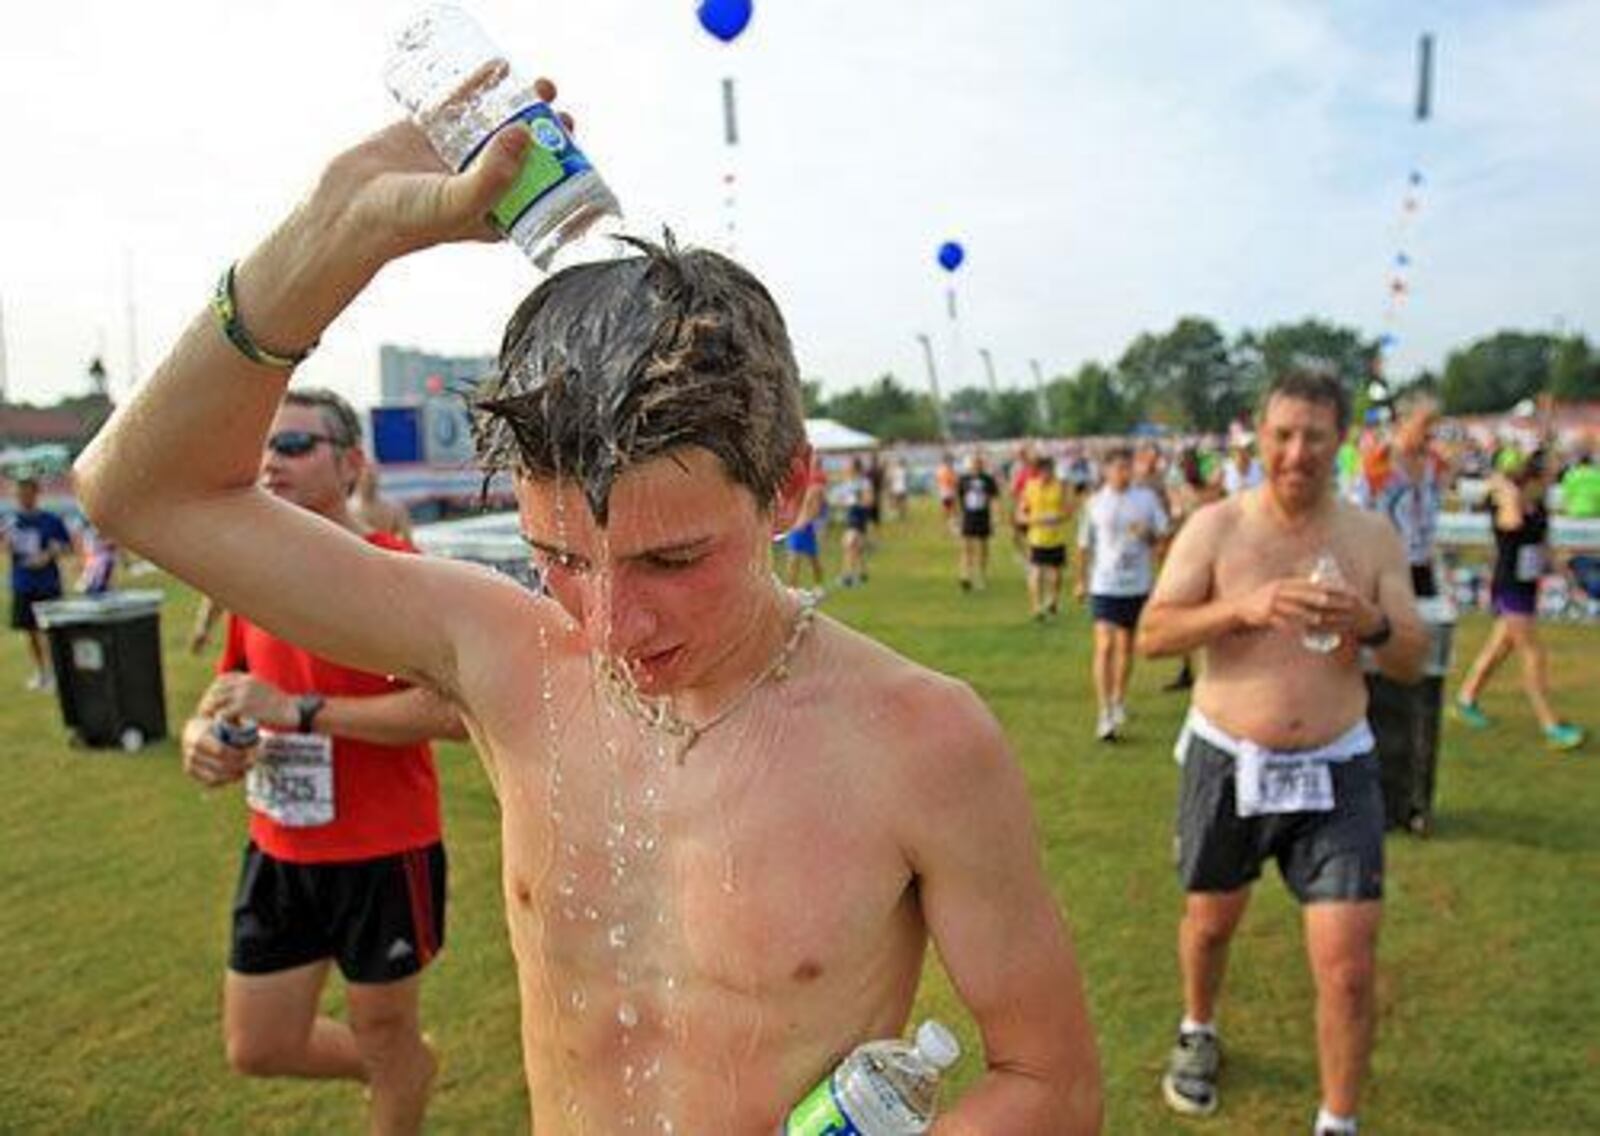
296	443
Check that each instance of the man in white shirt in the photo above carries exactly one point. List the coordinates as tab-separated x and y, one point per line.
1121	528
1242	470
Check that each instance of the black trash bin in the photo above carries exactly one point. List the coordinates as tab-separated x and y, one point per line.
106	650
1405	718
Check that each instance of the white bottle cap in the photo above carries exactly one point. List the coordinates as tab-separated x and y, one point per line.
937	1044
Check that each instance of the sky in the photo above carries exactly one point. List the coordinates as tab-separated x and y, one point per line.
1109	168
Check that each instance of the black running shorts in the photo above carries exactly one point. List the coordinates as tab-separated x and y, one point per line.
381	920
1336	855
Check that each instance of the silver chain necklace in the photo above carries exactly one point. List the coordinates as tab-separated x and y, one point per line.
658	713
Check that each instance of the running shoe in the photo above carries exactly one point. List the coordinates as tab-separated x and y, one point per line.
1119	716
1105	727
1190	1082
1563	735
1468	713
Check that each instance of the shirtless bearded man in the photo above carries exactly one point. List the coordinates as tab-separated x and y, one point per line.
730	826
1277	757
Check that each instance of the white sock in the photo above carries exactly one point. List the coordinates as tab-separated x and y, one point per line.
1333	1122
1189	1025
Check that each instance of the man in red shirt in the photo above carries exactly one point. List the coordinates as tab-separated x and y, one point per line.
345	861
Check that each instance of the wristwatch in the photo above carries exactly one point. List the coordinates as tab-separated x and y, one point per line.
307	706
1379	637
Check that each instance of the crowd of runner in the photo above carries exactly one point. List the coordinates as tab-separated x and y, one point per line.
1114	505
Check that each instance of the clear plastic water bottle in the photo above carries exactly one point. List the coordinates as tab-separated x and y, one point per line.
241	734
1324	570
460	89
884	1088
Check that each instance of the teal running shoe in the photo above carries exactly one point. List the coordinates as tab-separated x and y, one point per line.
1469	713
1563	735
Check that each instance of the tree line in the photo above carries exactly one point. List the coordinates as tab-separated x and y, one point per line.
1192	378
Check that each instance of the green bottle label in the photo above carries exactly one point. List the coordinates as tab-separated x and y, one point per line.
551	160
820	1114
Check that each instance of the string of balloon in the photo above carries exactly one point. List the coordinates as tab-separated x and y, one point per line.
1398	278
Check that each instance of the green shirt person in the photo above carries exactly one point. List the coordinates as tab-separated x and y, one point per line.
1580	490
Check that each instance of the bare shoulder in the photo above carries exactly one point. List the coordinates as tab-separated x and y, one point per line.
1370	535
1214	519
1204	530
930	728
491	616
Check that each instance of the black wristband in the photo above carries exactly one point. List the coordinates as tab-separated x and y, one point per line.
307	706
1379	637
227	313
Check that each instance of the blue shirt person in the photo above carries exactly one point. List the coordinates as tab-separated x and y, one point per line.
37	538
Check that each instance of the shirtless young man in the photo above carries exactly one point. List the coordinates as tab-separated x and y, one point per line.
1277	757
720	875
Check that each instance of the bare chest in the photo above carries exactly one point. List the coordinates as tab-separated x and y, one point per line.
1259	554
756	865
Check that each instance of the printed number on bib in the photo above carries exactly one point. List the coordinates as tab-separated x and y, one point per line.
1283	784
1128	570
292	779
1530	563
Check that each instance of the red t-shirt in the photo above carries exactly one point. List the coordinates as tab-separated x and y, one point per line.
386	798
1019	480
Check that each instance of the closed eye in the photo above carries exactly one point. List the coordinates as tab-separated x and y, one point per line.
677	563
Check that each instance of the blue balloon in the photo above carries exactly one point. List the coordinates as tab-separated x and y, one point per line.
951	254
724	19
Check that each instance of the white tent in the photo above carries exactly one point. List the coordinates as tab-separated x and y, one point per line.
826	435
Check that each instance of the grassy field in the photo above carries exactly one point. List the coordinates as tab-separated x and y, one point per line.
116	872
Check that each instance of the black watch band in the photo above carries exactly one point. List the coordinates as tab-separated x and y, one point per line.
1379	637
307	706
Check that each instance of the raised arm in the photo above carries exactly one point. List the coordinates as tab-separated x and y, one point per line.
999	931
173	475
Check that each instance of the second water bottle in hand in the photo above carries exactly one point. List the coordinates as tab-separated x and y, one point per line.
884	1088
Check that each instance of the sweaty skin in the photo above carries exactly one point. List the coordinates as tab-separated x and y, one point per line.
806	849
781	881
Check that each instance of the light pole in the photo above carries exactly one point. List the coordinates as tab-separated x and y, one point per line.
1038	395
933	385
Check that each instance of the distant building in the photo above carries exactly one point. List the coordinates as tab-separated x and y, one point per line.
409	377
23	426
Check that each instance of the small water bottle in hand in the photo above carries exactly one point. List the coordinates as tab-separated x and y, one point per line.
460	89
1324	570
240	733
884	1088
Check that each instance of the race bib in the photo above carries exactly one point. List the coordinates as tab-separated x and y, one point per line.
1530	563
26	543
976	500
1128	570
292	779
1281	783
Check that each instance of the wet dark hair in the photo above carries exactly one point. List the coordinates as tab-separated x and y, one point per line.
1309	385
1118	453
611	364
338	416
